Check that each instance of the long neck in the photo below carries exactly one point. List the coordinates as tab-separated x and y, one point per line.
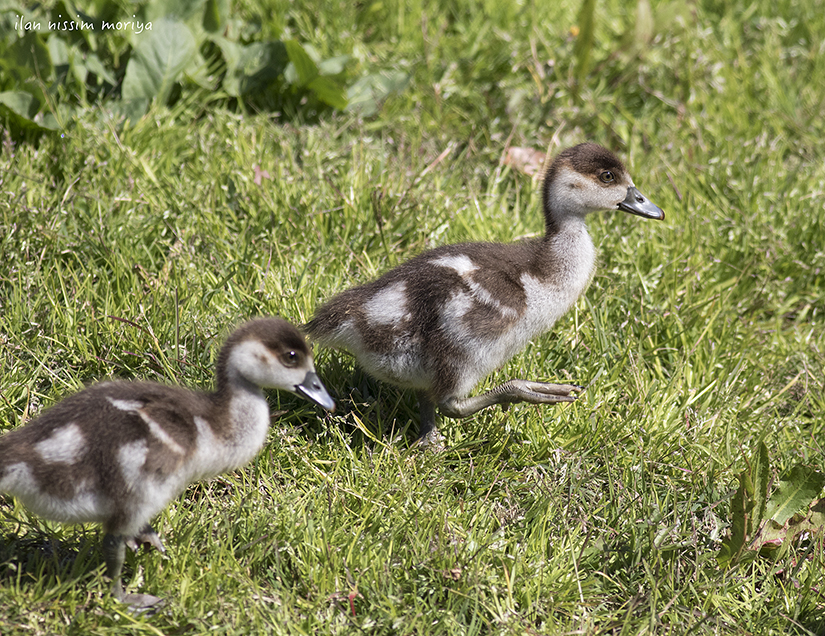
243	413
566	253
563	224
561	209
246	408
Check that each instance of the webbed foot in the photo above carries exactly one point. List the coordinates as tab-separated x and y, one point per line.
148	536
510	392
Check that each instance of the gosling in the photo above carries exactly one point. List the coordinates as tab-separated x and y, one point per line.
442	321
118	452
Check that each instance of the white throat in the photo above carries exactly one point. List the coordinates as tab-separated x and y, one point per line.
235	445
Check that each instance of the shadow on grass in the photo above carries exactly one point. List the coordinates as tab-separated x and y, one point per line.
366	409
47	560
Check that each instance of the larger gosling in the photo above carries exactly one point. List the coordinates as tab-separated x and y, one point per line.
445	319
118	452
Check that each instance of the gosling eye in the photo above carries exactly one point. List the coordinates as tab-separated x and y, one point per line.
290	358
607	177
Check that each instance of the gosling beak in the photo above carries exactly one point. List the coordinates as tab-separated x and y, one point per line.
312	389
639	204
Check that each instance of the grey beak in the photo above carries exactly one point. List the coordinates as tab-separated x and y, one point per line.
312	389
639	204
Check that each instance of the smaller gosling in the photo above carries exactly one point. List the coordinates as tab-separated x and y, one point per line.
118	452
445	319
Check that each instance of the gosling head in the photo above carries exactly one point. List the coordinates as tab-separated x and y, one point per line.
271	354
587	178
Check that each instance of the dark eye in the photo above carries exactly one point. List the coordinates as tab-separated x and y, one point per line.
290	358
607	177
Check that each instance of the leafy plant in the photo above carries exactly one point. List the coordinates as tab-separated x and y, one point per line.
58	60
765	522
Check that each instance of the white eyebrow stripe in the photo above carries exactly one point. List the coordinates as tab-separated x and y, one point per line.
63	446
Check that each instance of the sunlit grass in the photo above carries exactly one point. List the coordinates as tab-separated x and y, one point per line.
133	252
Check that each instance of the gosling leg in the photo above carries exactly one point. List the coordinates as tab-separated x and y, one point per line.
428	435
509	393
114	553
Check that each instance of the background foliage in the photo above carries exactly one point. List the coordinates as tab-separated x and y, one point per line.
62	59
133	239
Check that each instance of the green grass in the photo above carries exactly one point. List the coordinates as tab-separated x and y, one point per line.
132	253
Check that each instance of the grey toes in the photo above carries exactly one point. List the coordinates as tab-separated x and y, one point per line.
148	536
143	603
433	441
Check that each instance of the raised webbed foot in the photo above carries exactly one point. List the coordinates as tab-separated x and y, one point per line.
146	535
510	392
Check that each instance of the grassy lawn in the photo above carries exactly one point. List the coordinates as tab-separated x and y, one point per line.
132	251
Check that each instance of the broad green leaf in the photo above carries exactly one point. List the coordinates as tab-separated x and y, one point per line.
20	103
334	65
774	537
79	68
818	513
199	72
313	53
794	493
365	95
760	476
29	56
19	109
59	118
178	10
26	65
305	69
251	68
95	66
158	61
734	544
58	51
329	91
87	35
215	15
231	52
